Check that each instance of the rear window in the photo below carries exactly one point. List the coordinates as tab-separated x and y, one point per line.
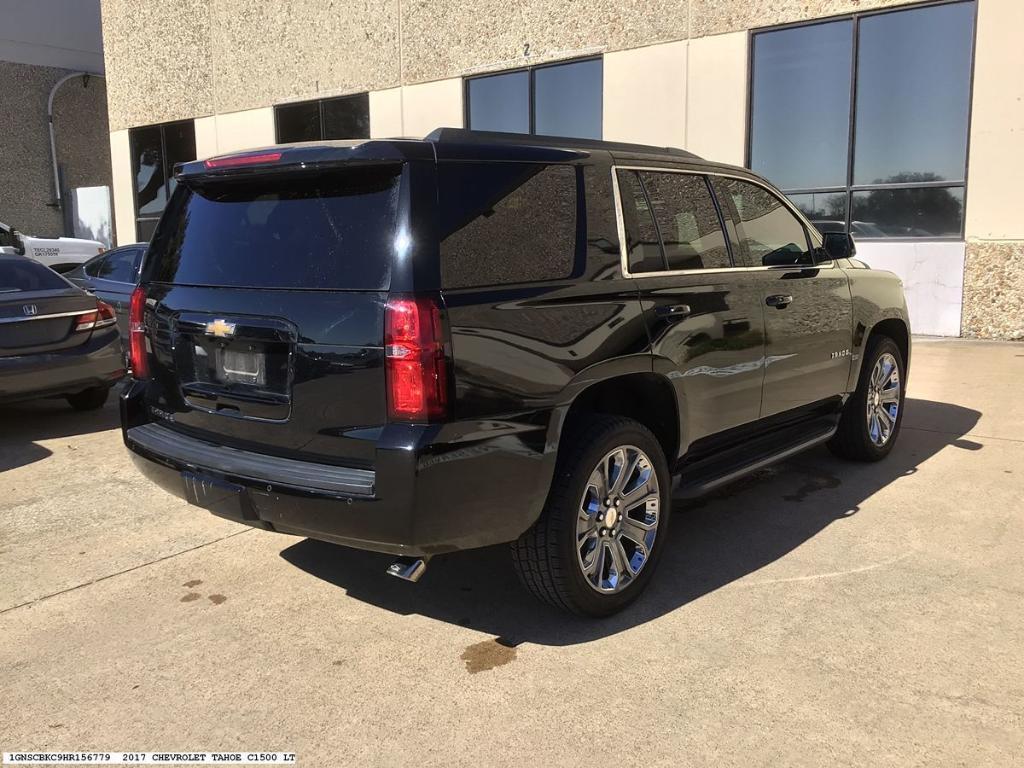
506	223
332	231
25	275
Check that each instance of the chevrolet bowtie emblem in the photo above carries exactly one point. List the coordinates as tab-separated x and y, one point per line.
220	328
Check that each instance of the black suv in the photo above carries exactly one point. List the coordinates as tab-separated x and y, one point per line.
420	346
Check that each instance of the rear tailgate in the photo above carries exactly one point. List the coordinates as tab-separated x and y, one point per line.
265	306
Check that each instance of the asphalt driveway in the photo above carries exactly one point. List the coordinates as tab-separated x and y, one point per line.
817	613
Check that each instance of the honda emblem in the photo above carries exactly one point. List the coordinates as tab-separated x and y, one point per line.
30	309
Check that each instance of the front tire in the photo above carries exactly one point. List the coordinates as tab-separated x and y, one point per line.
596	544
89	399
871	418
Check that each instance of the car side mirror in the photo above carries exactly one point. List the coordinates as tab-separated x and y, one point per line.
839	245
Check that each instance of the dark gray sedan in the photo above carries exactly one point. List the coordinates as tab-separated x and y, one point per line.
56	340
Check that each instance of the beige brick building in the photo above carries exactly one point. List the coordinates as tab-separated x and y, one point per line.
902	121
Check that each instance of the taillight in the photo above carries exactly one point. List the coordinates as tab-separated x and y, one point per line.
414	354
103	317
137	358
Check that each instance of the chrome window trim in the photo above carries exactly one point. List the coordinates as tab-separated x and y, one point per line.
45	317
621	223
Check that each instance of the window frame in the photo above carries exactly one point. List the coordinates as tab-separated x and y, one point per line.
813	237
531	70
850	188
320	115
168	172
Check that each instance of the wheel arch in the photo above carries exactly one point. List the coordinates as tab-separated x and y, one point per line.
894	327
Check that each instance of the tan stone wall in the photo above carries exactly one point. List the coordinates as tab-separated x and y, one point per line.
994	290
26	171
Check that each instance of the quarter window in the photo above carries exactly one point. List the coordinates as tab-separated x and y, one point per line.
346	117
902	80
506	223
156	149
767	232
555	100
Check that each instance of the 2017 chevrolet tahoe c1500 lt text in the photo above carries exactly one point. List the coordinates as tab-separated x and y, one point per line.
420	346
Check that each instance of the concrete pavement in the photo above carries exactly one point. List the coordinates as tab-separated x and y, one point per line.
817	613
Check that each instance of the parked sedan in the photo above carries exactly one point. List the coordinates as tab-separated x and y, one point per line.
56	340
112	276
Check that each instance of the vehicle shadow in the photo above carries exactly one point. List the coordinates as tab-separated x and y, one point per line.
712	542
22	425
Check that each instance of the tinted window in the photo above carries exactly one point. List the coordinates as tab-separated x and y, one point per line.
120	266
567	100
768	232
691	232
643	249
927	212
155	150
500	103
298	122
911	87
92	267
800	117
506	223
913	94
557	99
316	231
347	117
148	169
27	275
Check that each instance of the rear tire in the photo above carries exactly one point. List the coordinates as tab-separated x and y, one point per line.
89	399
596	544
867	428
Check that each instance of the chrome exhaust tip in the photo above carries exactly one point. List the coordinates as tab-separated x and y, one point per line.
408	568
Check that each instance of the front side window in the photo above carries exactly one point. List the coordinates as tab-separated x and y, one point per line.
346	117
767	232
505	223
155	150
553	100
901	171
119	266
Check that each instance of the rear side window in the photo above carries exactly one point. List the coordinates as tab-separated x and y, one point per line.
687	220
643	248
330	231
769	234
25	275
506	223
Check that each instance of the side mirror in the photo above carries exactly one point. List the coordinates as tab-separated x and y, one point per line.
19	242
838	245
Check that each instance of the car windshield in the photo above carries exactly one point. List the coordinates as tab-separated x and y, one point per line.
25	275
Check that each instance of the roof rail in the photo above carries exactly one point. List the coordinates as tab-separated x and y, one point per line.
466	136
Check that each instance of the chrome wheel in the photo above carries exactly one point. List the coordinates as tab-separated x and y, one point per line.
618	518
883	401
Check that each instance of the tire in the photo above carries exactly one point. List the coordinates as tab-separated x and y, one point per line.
856	438
89	399
546	557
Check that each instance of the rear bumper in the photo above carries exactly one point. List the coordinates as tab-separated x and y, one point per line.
432	488
98	362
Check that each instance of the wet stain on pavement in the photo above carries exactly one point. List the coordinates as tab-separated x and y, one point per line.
190	597
816	481
488	654
192	583
217	599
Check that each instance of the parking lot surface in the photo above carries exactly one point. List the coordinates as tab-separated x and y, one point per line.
816	613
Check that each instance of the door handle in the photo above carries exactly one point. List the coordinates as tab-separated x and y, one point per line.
779	301
676	311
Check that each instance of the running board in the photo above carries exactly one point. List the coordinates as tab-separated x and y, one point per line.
693	482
